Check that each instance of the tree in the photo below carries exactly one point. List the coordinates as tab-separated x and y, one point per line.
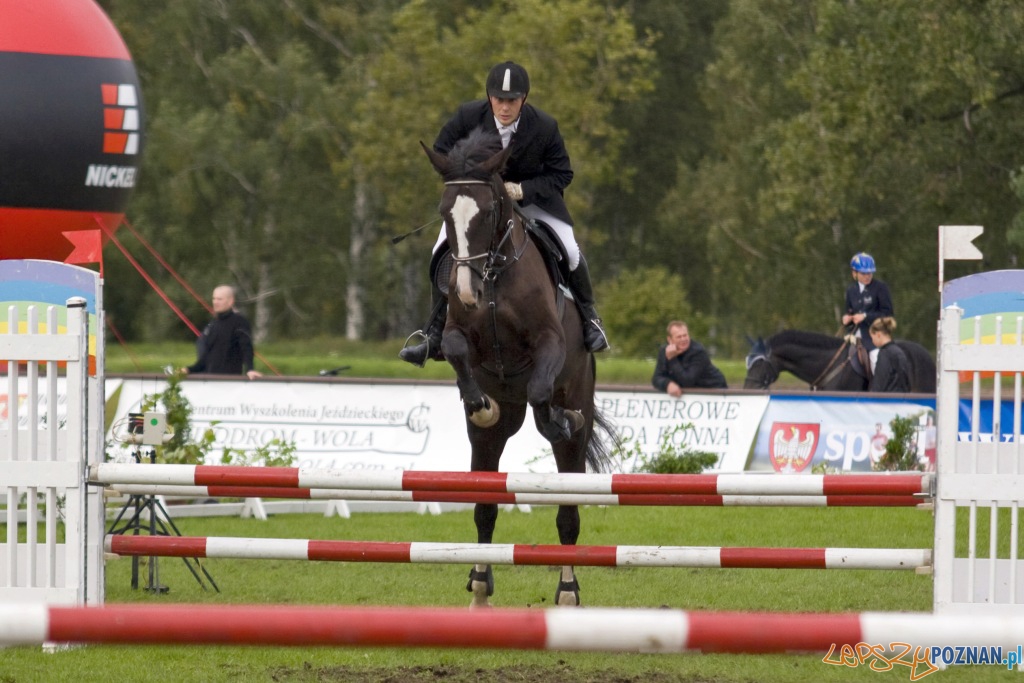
583	58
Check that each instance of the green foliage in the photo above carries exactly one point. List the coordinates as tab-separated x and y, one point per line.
637	306
900	452
747	148
670	458
185	449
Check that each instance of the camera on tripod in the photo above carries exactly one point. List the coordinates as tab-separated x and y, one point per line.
147	429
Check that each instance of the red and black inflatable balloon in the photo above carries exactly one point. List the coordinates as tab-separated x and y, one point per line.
71	125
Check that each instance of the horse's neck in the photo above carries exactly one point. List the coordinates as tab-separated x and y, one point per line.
806	364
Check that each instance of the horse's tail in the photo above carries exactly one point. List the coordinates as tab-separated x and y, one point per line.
601	446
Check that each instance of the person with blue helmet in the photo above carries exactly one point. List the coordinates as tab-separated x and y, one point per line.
867	299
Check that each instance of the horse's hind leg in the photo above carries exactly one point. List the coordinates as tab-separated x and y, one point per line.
570	457
568	522
488	445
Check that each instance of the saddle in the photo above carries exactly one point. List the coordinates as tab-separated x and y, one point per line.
859	357
555	259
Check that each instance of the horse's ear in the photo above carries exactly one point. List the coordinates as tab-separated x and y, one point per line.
497	162
439	161
750	341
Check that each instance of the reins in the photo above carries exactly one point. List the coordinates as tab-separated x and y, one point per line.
831	370
495	263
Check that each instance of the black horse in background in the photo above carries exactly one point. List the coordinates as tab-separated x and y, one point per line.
826	363
512	340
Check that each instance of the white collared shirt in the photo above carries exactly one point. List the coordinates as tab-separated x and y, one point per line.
506	132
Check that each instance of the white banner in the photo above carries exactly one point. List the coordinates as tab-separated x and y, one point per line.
357	425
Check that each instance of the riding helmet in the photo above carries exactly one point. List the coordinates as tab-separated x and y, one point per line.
862	263
508	80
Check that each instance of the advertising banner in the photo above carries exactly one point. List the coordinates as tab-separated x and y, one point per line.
368	425
843	434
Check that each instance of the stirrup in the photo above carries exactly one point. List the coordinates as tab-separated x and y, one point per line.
598	343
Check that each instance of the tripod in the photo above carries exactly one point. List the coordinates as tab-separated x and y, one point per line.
157	526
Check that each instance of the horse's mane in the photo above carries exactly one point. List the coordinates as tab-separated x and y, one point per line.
469	152
804	338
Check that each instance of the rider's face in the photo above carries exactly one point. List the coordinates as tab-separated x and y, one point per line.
506	110
863	278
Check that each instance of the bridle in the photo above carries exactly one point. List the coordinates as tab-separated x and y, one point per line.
494	262
769	378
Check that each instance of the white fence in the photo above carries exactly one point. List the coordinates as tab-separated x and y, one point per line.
54	523
980	482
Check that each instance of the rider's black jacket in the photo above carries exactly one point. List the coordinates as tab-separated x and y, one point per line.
539	161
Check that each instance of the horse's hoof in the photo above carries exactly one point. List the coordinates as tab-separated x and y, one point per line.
558	428
568	594
576	420
488	416
481	585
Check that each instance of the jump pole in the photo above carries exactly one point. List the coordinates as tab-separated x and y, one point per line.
615	630
632	499
519	554
508	482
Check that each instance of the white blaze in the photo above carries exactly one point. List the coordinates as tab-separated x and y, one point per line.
462	213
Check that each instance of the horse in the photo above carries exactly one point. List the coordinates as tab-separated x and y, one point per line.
512	341
825	362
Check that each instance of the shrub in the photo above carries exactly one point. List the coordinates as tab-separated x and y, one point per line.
670	458
900	451
636	306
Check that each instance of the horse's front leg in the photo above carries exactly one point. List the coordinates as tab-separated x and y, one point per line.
488	445
481	409
554	422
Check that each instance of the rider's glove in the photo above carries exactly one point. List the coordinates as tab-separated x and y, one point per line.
515	191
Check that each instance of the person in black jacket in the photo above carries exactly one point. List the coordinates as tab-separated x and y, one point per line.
536	174
683	363
892	372
225	346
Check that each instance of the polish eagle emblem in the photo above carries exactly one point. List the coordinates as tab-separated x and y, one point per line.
792	445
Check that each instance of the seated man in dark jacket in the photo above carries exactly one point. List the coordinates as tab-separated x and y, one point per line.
684	364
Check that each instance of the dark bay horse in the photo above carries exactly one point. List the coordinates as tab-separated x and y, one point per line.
824	363
512	340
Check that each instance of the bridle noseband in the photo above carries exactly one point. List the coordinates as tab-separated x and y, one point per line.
769	378
494	262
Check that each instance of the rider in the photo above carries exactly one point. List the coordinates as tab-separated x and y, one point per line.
537	172
867	299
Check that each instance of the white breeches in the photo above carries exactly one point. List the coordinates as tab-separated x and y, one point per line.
562	230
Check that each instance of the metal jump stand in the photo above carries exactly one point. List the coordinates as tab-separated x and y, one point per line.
148	515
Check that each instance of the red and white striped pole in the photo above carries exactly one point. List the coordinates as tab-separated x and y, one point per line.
519	554
617	630
648	499
507	482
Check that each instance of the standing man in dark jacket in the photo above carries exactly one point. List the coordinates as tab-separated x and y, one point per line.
536	174
225	346
683	364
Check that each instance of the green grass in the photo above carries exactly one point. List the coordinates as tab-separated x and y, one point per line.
295	582
308	357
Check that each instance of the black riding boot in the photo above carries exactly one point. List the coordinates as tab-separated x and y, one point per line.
431	346
594	337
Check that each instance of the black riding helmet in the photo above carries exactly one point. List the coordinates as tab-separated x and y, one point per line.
508	81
